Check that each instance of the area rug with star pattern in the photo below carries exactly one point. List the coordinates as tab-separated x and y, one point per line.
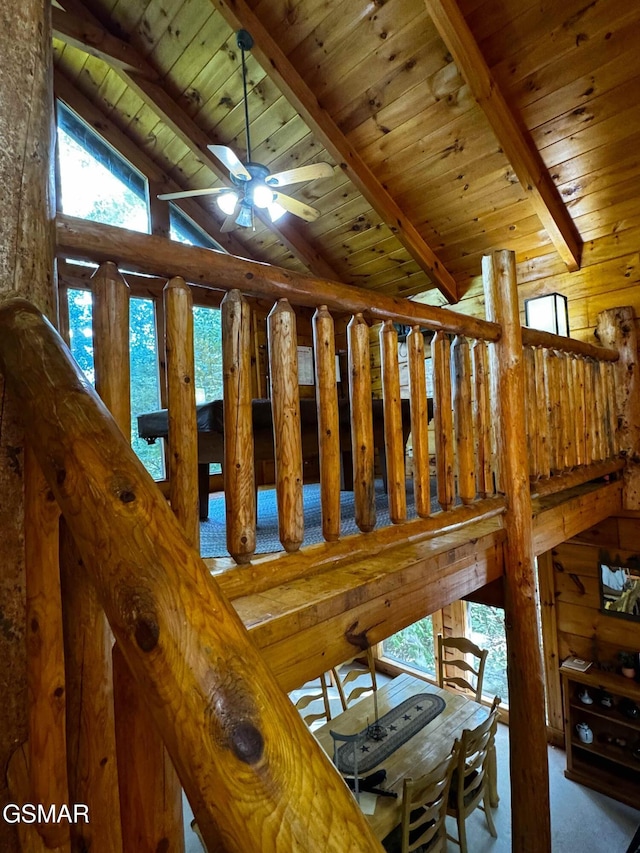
399	725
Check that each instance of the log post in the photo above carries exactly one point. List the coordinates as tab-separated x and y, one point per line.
181	396
287	438
216	703
27	210
531	831
419	422
239	465
324	343
364	494
394	444
616	328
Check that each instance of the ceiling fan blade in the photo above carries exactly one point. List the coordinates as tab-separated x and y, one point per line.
299	208
190	193
302	173
229	224
231	161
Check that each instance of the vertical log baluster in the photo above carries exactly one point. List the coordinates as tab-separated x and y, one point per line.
543	454
150	792
285	402
531	403
553	404
596	411
484	480
239	473
611	408
566	412
394	444
111	343
181	397
45	651
361	424
419	422
589	405
582	418
463	417
577	398
443	419
324	343
603	416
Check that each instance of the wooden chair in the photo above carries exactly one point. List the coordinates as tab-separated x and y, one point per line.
318	692
476	671
354	671
473	778
424	809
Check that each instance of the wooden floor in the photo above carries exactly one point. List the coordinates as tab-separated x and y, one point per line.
325	610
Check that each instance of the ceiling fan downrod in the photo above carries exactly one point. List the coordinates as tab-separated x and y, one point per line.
244	41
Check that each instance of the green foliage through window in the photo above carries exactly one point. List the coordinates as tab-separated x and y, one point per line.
414	646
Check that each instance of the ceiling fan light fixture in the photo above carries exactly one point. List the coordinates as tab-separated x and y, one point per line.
262	196
244	217
227	202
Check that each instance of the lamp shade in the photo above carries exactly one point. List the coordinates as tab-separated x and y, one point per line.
548	313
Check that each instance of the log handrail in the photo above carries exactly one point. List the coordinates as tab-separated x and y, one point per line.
215	702
93	241
536	338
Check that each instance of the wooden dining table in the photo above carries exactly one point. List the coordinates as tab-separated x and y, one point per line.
420	753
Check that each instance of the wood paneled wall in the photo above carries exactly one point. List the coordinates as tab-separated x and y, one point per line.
609	277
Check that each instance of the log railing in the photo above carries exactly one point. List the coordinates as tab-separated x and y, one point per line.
570	409
569	392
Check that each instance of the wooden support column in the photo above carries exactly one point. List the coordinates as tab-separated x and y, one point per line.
531	830
616	328
26	269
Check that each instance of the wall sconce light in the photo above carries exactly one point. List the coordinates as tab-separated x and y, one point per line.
548	313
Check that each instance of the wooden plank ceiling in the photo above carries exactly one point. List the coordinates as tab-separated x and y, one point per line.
453	129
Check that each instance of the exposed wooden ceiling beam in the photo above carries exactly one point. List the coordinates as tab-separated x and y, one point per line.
111	133
94	40
513	137
239	15
141	80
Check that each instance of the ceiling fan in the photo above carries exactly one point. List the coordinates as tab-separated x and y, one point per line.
254	185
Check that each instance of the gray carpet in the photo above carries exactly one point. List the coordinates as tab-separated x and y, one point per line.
213	531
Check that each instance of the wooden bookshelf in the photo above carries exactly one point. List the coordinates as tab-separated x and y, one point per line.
611	763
